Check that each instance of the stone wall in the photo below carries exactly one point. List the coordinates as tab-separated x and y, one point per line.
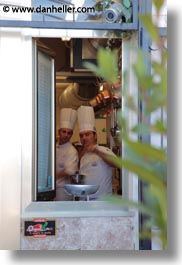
86	233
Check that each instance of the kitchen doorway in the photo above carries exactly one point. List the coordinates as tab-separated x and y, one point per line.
69	84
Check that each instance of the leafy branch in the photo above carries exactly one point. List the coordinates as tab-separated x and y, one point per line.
148	162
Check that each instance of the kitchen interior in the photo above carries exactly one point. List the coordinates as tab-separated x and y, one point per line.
76	86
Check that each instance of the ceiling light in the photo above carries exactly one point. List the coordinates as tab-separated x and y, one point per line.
66	38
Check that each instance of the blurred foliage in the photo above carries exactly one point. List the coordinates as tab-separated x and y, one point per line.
148	162
107	65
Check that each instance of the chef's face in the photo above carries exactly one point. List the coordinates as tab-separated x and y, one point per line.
88	137
65	135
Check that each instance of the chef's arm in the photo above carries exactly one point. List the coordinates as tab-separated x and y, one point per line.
107	158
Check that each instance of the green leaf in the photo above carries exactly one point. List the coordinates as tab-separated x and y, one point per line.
147	151
92	67
155	168
145	79
160	127
108	62
146	161
128	203
131	104
139	170
45	225
141	128
126	3
107	65
161	198
152	209
139	65
150	27
158	4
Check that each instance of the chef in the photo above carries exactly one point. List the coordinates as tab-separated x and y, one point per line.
94	163
66	154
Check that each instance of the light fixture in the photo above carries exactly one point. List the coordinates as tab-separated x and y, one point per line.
114	13
101	88
66	38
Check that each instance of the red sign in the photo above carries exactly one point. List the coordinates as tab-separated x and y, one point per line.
39	228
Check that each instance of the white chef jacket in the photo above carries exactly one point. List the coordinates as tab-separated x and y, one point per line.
66	160
97	172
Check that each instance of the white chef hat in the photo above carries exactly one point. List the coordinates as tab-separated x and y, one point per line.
67	118
86	118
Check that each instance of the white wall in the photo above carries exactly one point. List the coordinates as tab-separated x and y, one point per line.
15	111
16	130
